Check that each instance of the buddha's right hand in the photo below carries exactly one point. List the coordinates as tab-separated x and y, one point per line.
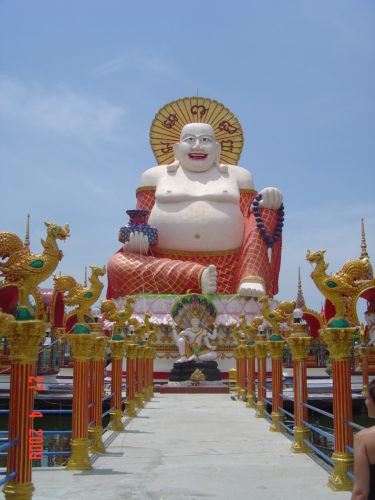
138	243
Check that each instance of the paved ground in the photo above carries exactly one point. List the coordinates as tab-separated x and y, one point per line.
183	446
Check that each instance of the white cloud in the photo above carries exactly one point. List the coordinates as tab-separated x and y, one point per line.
59	110
135	59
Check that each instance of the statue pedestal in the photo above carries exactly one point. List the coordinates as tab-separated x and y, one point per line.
182	371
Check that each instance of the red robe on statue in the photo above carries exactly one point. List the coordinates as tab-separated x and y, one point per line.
176	272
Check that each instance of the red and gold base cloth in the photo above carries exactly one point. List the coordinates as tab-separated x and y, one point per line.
169	271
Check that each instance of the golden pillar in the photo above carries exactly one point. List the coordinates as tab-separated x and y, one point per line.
250	354
97	385
131	354
151	372
242	366
299	343
364	351
237	357
81	348
117	348
139	376
275	348
339	342
24	339
261	352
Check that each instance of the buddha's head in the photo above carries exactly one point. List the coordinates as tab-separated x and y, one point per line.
197	150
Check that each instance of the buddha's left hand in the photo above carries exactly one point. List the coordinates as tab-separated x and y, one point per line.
271	198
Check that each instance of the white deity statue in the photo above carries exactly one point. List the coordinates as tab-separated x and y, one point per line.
194	343
216	234
370	320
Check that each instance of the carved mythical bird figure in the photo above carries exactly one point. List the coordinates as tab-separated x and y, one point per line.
119	317
341	285
27	270
283	313
79	295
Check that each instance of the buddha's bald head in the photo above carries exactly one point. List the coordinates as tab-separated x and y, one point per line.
197	129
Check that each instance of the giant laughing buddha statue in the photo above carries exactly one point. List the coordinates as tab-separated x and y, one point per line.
215	233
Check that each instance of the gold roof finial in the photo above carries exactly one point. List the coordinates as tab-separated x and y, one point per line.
300	300
85	281
27	235
363	242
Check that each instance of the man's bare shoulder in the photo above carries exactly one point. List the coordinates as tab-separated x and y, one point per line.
244	177
151	176
365	435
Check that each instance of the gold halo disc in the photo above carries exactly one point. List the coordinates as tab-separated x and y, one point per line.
169	120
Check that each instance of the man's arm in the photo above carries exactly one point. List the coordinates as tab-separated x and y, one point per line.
361	468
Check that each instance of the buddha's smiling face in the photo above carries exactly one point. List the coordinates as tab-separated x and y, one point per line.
197	150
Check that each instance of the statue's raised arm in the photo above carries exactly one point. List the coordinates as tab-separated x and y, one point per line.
215	233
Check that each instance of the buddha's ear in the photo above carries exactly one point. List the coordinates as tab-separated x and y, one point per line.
176	150
218	152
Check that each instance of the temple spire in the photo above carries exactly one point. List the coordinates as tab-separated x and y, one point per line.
27	235
300	300
363	242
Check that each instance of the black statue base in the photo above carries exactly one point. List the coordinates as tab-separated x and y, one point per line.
182	371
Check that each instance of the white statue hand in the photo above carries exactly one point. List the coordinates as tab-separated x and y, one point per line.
209	280
251	288
138	243
271	198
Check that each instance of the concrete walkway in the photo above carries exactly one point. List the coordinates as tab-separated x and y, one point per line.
184	446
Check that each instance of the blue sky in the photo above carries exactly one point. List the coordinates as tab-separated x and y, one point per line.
80	82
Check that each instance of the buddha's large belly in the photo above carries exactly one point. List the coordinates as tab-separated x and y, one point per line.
198	226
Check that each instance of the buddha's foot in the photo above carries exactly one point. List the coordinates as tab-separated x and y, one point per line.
183	359
251	288
209	279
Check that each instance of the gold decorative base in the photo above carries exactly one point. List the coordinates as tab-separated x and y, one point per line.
238	391
146	395
364	391
116	424
242	394
342	462
79	459
18	491
277	417
130	409
260	406
139	400
299	446
95	433
251	401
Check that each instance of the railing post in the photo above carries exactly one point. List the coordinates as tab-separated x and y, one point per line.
250	354
299	343
97	385
131	353
364	350
81	344
117	348
238	375
261	352
339	342
151	373
275	348
24	339
147	359
139	371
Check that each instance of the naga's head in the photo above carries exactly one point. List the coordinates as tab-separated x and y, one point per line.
257	321
107	306
97	271
56	231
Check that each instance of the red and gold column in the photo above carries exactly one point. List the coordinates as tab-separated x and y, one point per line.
131	354
339	342
261	352
275	348
97	385
242	367
146	373
117	348
81	348
299	343
151	372
24	339
364	351
139	376
237	356
250	354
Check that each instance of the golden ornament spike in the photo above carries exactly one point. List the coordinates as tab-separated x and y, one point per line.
27	235
364	253
85	280
300	300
